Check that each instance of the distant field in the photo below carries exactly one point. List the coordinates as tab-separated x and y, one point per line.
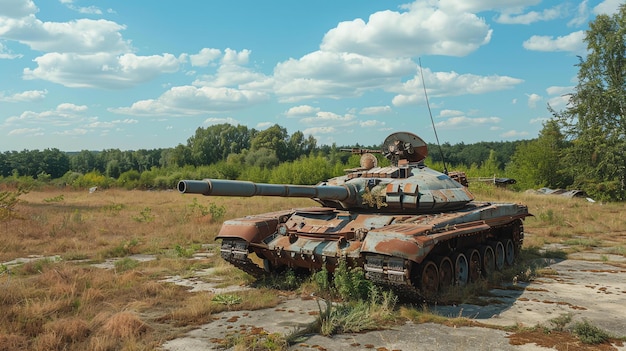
64	302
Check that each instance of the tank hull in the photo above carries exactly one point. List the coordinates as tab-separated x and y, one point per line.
420	253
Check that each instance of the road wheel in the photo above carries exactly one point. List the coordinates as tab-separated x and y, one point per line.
498	251
429	279
474	264
489	260
461	269
509	252
446	272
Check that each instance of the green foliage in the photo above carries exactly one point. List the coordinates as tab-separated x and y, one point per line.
129	179
125	264
114	209
538	163
322	279
217	212
306	170
256	339
350	282
561	321
125	248
145	215
359	315
91	179
594	119
551	218
58	198
590	334
8	203
184	252
227	299
286	280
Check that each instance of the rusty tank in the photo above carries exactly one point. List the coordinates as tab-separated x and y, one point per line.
408	226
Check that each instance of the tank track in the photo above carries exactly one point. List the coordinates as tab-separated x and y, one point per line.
235	252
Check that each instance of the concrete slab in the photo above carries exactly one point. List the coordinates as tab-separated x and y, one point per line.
594	291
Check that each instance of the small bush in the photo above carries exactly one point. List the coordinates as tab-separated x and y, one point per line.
590	334
125	264
350	282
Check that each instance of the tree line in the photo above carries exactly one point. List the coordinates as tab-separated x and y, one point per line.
225	148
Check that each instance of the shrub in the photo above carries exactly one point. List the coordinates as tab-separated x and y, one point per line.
590	334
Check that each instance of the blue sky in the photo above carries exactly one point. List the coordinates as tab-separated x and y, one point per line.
79	74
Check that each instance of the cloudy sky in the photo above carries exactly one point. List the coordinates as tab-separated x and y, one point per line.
82	74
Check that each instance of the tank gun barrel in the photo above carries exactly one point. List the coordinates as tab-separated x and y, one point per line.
221	187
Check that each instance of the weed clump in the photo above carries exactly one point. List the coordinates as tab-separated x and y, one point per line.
590	334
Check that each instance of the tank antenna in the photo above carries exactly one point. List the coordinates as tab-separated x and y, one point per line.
445	168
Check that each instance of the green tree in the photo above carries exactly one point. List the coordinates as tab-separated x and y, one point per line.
215	143
595	119
274	139
537	163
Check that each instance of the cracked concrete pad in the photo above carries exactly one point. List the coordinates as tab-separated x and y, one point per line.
593	291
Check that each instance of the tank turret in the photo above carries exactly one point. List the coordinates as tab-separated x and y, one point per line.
406	225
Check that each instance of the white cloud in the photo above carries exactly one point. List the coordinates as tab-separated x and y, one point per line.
27	132
423	29
205	56
607	7
77	36
533	99
558	90
7	54
538	120
189	100
450	113
441	84
235	76
582	15
371	123
18	8
532	16
212	121
572	42
375	110
65	114
324	117
302	110
319	130
336	75
559	96
80	53
559	102
92	10
264	125
485	5
101	70
25	96
72	132
464	122
514	134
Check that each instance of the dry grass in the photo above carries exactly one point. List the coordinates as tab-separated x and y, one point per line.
71	305
577	223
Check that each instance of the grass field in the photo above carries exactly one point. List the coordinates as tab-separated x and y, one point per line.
63	302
